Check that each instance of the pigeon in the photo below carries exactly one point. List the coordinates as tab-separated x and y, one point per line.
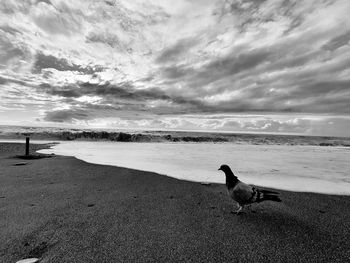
243	193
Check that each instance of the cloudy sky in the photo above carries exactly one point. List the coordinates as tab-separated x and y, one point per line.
214	65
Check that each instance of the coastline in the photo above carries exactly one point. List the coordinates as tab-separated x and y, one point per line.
63	209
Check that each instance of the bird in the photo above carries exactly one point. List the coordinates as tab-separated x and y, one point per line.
243	193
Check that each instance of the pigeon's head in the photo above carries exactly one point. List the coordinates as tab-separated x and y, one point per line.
225	168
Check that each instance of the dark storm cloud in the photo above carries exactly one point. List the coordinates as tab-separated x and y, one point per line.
9	29
124	96
244	6
11	54
68	91
4	80
123	90
67	115
176	72
235	63
217	69
312	97
43	61
105	38
174	53
287	61
289	55
307	96
323	88
299	92
338	42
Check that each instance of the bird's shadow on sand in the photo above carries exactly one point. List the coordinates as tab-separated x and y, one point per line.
277	222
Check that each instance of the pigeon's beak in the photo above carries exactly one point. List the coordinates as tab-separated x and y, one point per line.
219	169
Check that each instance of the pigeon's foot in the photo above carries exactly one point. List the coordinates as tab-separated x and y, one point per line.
236	213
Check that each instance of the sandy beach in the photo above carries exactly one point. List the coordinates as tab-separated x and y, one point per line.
61	209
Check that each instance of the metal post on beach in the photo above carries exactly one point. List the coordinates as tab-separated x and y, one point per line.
27	146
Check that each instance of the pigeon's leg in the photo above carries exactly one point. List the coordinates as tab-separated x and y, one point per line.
239	210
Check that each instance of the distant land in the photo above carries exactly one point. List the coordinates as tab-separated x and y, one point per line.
69	134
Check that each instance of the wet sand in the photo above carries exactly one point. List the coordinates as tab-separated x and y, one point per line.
61	209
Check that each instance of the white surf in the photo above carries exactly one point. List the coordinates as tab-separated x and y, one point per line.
295	168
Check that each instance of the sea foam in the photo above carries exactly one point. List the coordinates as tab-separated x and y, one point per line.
295	168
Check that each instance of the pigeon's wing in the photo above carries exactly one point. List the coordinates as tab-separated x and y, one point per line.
242	193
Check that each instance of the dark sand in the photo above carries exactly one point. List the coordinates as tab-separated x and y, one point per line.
65	210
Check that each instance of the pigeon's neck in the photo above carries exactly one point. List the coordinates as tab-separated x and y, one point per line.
231	180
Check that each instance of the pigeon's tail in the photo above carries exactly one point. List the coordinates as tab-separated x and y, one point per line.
269	192
271	197
266	195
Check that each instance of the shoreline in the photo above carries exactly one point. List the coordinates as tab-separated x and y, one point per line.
62	209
